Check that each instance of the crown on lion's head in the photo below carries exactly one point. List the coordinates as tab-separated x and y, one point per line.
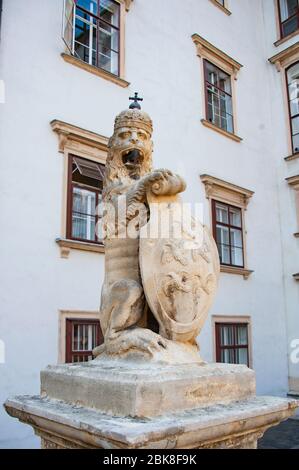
134	117
129	148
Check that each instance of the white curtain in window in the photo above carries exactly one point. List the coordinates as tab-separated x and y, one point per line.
283	9
226	335
287	8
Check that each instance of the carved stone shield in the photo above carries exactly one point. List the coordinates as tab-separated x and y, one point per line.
179	266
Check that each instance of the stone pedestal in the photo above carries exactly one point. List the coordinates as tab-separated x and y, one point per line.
123	406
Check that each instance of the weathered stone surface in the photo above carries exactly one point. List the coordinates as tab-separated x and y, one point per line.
179	272
144	389
235	425
147	391
159	260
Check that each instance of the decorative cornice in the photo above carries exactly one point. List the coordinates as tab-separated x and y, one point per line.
66	246
216	187
127	4
206	50
294	182
235	270
69	135
284	58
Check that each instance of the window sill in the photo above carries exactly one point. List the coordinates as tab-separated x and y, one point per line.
67	245
235	270
230	135
221	7
95	70
286	38
294	156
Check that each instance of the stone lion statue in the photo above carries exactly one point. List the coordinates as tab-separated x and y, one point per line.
129	180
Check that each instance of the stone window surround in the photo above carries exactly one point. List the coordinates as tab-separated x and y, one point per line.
232	319
223	191
282	61
281	39
74	140
64	315
206	50
118	80
224	7
293	182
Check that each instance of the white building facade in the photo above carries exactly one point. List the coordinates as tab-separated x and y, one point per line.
225	118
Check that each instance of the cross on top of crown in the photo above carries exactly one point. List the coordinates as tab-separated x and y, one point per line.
135	104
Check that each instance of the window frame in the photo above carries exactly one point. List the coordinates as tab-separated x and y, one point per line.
282	36
98	20
82	143
289	106
70	186
70	322
70	57
293	183
282	61
206	82
229	226
229	193
207	51
222	6
219	348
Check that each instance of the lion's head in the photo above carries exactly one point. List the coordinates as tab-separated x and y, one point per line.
130	148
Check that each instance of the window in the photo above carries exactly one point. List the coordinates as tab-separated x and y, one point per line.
84	199
232	343
218	97
219	75
228	205
82	336
287	62
293	181
91	32
228	233
0	16
293	97
84	153
289	16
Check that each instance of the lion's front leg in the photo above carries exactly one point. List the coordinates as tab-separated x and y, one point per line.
122	309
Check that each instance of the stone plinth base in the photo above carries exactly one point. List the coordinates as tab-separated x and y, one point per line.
129	405
237	425
146	391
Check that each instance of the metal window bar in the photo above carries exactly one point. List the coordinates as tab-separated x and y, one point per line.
99	21
234	347
229	226
220	115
